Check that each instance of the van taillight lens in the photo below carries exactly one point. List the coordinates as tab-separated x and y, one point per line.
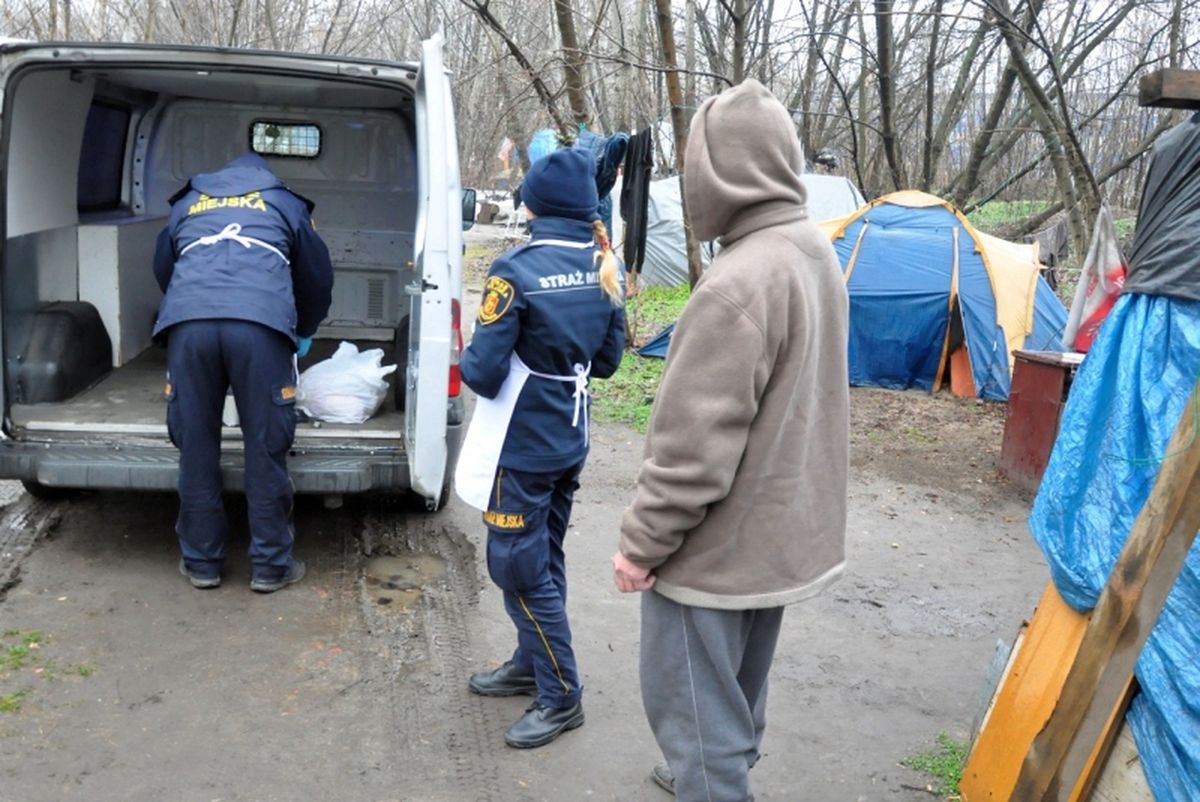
456	346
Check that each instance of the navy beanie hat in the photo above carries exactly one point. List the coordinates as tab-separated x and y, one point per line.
563	184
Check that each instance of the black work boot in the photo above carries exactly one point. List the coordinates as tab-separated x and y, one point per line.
504	681
199	582
293	574
540	725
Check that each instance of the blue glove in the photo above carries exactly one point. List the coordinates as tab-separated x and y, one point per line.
302	346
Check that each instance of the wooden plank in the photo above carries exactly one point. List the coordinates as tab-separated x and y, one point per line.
1103	747
1121	622
1170	88
1122	779
1025	700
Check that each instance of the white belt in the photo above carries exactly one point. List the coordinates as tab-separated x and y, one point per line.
580	379
233	232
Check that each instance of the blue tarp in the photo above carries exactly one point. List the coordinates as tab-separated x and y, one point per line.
1125	403
658	344
900	301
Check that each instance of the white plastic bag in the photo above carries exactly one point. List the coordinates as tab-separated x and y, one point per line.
348	387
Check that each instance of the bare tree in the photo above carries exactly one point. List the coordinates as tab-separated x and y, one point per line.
666	32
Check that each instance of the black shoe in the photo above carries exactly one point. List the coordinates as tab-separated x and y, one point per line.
663	778
294	573
201	582
504	681
540	725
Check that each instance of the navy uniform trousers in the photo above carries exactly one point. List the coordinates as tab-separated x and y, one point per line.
204	359
527	518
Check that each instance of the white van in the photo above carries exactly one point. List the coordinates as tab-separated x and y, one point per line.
97	137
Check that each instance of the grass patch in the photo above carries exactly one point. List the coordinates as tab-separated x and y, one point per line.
13	656
994	216
944	764
658	306
28	653
629	395
11	702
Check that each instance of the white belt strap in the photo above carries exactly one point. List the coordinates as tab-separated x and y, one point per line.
564	243
233	231
580	379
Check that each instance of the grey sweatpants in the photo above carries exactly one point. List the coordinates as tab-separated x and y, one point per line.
704	688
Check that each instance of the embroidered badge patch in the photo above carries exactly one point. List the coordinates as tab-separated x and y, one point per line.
497	298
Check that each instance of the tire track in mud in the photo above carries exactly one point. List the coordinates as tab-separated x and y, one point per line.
24	522
447	739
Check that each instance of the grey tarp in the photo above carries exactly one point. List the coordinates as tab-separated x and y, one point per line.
665	260
1164	259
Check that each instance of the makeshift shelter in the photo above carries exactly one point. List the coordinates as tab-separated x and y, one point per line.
665	262
931	296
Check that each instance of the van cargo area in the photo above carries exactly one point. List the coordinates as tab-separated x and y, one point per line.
93	149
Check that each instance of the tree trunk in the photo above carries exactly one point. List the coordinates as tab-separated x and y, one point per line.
887	89
679	122
739	41
1065	159
480	7
573	61
968	181
689	92
930	86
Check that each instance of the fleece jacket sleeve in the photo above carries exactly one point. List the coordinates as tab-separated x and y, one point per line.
716	374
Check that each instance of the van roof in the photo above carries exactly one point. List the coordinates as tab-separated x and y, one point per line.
201	53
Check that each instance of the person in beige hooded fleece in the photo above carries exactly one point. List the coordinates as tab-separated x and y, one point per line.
740	506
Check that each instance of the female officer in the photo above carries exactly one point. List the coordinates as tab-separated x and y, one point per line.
550	318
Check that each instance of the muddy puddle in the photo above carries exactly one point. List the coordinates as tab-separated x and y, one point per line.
396	581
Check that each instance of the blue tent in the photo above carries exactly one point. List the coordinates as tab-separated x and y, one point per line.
923	284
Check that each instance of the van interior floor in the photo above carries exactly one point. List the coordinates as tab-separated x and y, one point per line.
129	400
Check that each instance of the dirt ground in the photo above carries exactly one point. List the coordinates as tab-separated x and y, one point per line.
352	684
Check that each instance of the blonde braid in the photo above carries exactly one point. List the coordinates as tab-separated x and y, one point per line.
610	277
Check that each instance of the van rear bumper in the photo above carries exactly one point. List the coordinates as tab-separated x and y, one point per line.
108	466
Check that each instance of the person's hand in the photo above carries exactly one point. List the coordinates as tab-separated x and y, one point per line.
302	346
630	578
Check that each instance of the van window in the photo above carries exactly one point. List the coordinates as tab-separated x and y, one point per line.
302	140
102	157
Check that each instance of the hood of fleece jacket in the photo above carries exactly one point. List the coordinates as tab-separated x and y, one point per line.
743	163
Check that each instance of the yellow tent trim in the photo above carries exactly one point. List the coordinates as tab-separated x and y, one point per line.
941	371
862	233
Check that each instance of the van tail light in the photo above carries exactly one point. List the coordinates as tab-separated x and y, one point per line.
456	347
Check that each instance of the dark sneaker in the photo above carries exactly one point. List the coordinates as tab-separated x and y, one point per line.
201	582
663	778
540	725
504	681
294	573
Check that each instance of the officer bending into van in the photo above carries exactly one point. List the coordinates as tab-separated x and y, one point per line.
246	282
550	318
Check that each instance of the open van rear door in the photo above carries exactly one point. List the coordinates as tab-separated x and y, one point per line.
438	241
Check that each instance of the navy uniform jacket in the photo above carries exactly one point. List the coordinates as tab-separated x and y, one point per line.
544	302
238	279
